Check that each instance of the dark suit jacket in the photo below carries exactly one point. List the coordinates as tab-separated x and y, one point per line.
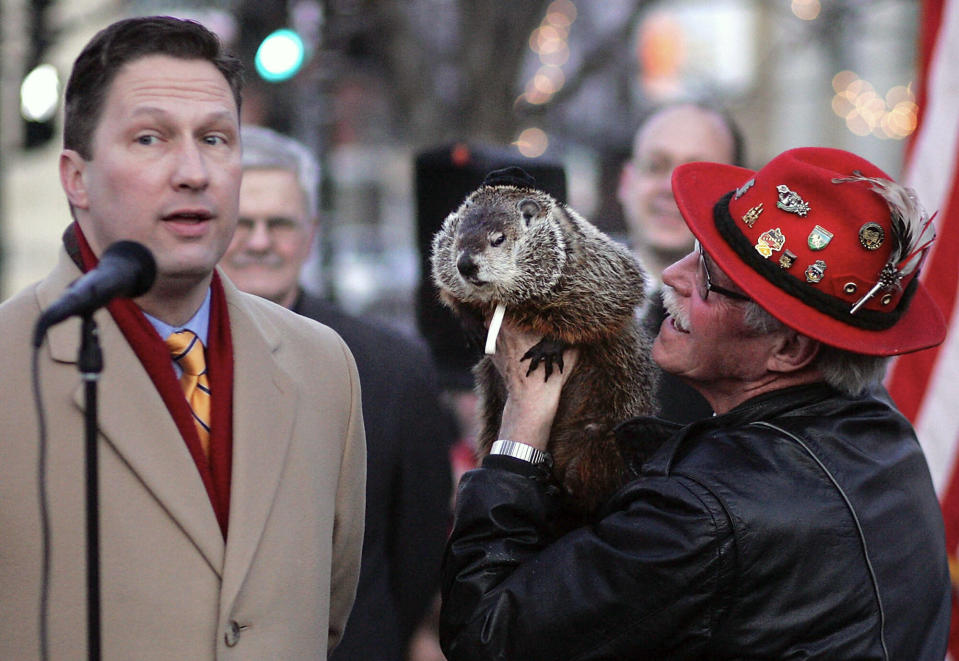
409	483
675	400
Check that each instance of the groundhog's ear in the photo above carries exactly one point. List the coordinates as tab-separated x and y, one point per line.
529	209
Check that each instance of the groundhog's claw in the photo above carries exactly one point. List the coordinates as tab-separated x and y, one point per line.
547	351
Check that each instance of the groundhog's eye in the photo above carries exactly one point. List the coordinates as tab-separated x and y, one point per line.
497	239
528	208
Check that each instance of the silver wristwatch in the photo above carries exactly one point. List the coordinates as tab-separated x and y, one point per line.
520	451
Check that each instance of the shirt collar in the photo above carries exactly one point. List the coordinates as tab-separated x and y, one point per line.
199	323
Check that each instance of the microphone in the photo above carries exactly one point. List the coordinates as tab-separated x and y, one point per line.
126	269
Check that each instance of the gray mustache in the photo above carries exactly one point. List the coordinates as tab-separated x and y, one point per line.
270	260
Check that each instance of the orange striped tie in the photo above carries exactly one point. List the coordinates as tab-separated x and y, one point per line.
187	350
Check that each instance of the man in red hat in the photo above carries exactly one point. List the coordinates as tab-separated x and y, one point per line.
800	520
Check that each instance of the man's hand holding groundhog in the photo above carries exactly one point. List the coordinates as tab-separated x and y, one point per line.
532	401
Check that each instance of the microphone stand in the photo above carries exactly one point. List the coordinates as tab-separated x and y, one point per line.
90	364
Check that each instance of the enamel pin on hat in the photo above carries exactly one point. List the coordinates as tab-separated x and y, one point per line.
836	253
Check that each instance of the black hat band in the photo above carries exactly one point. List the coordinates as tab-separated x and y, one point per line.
866	319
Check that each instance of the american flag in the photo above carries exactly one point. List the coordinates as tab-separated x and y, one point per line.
925	385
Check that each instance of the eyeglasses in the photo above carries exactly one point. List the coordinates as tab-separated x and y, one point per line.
655	166
707	283
277	227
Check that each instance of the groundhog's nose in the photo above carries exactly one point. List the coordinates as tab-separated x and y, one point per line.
466	266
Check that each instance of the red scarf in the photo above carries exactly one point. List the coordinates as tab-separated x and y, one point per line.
153	353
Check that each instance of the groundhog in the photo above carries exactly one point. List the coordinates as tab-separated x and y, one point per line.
559	276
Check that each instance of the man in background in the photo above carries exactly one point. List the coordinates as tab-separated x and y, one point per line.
668	137
230	432
408	431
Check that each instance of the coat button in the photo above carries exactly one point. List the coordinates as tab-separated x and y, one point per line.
232	635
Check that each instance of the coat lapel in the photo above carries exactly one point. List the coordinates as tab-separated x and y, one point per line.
264	402
135	422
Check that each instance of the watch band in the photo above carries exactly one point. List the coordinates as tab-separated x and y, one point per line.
520	451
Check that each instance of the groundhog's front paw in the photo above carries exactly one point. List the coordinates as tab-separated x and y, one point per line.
548	352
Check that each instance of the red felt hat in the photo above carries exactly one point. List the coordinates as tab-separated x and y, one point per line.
813	240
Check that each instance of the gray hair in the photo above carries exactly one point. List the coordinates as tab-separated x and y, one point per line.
846	371
265	149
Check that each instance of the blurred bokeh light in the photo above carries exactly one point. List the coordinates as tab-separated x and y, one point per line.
40	94
807	10
867	112
532	142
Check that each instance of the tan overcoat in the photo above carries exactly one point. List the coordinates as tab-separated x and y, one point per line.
282	584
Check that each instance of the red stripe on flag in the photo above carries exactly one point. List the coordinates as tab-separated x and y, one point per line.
910	380
910	374
944	276
909	377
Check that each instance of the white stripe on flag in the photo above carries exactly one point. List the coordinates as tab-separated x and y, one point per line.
932	173
938	422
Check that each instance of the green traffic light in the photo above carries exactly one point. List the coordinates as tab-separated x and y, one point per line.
280	56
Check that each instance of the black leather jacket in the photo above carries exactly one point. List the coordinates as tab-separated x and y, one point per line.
801	525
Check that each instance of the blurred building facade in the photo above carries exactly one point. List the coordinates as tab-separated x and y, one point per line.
567	80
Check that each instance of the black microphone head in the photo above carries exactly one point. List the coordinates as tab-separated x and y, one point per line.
126	269
139	259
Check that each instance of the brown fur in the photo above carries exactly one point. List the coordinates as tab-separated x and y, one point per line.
562	278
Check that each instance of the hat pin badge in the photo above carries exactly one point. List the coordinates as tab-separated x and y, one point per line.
816	271
871	236
911	229
818	238
745	187
791	201
751	216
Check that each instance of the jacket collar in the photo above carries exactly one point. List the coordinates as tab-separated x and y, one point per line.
774	403
642	438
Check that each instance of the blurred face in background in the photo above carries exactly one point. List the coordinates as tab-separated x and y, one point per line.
273	236
671	137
